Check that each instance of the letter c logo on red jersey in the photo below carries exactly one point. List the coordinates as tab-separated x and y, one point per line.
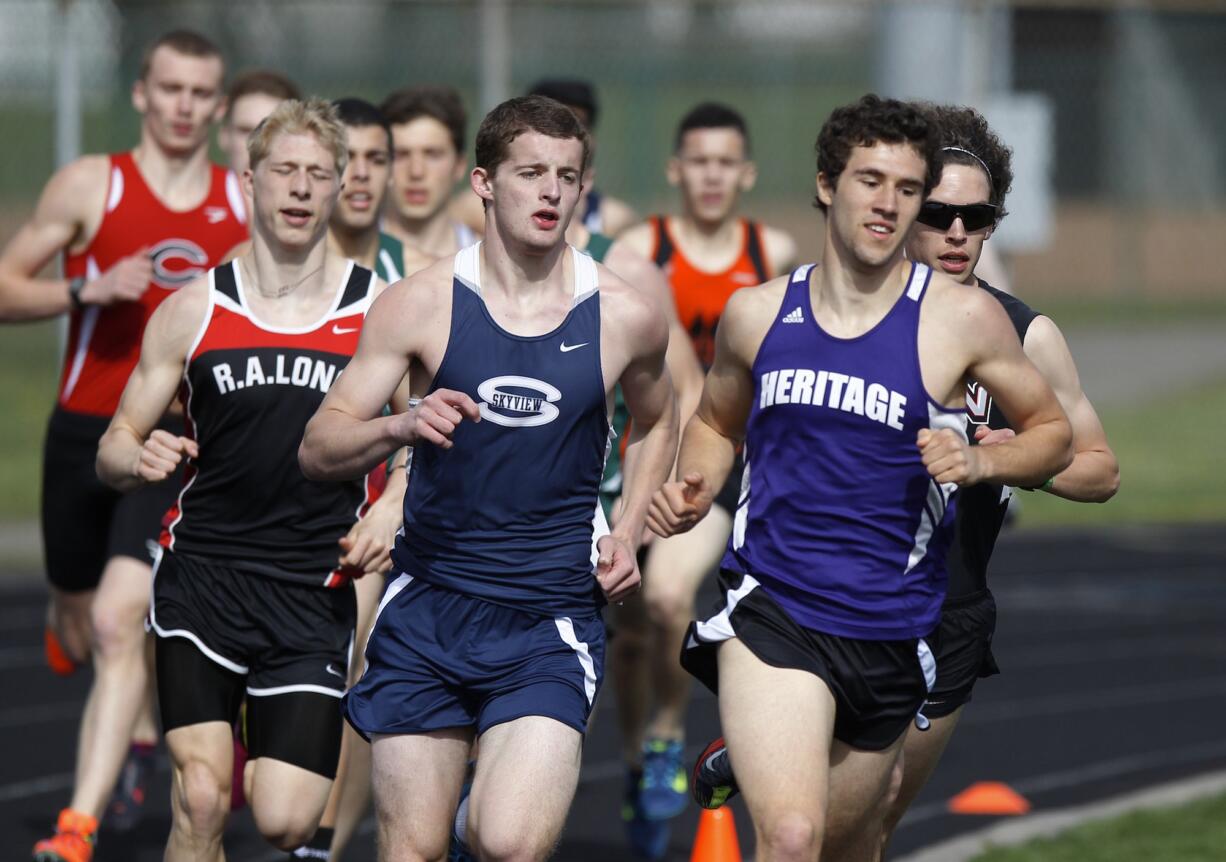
176	262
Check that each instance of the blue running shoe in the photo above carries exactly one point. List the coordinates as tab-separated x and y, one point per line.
648	839
714	783
662	790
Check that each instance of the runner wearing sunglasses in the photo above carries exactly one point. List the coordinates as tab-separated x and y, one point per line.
953	224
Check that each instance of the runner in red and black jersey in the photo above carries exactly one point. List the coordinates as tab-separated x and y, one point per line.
708	251
133	227
252	593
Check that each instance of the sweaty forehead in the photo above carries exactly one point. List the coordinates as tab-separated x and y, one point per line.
725	141
300	148
900	160
532	148
962	184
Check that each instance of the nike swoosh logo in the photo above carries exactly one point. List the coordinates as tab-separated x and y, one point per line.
330	669
343	330
567	348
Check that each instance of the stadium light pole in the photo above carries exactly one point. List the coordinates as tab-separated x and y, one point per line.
67	109
495	53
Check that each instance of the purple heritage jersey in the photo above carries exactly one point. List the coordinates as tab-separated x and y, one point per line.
838	518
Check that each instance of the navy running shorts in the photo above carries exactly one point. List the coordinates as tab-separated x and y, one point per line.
438	659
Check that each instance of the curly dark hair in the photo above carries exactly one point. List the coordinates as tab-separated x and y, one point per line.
977	146
867	122
522	114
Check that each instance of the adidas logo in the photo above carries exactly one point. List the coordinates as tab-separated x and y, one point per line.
794	316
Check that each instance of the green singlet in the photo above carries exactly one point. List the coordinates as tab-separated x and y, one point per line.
611	482
389	262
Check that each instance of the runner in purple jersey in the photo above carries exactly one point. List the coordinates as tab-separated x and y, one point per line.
845	382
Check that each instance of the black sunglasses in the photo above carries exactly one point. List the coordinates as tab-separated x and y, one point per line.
941	216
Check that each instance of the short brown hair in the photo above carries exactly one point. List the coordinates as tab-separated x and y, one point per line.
436	102
187	42
312	116
522	114
266	82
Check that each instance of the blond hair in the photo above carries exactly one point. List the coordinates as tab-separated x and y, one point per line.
311	116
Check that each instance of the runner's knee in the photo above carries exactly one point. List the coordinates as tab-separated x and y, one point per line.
285	825
792	835
118	629
204	800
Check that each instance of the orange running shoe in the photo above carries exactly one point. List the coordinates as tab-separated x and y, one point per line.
57	659
73	840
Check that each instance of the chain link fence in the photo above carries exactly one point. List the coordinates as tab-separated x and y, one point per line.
1130	156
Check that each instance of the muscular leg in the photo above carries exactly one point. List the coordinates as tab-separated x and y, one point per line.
779	726
417	780
922	752
120	682
286	800
675	568
859	798
201	758
350	795
629	666
526	778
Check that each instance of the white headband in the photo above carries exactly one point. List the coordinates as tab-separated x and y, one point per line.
973	156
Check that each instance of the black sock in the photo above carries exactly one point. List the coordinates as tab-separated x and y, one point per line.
317	848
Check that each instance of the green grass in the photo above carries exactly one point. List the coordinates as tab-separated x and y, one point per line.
29	371
1192	833
1171	465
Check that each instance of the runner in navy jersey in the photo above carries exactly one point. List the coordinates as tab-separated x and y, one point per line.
834	575
960	215
491	628
252	594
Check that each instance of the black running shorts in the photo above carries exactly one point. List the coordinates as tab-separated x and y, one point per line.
878	686
284	645
85	522
964	652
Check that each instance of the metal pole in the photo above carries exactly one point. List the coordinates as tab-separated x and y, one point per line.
495	50
67	86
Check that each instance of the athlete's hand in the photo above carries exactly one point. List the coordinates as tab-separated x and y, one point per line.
161	454
126	281
617	571
948	456
366	549
678	506
986	436
435	417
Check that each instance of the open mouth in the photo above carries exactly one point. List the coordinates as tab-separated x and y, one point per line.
360	200
954	261
416	197
881	229
295	216
545	219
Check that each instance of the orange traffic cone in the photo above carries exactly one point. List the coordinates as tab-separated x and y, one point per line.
716	838
989	797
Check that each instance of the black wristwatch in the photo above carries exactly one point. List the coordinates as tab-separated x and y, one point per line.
75	286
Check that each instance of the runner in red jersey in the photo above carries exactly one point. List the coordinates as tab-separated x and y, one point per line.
132	227
252	595
708	252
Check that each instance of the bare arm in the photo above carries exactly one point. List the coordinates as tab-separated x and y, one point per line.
977	323
709	444
616	216
1094	475
348	435
648	391
68	212
131	452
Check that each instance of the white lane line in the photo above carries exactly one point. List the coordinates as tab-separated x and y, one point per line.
35	786
1010	833
1090	772
1095	700
24	716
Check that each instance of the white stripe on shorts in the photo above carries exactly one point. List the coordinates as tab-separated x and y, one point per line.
719	627
287	689
566	629
184	633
